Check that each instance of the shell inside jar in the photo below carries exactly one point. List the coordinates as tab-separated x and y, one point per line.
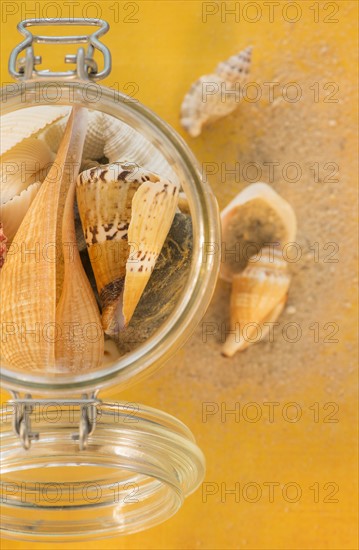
96	239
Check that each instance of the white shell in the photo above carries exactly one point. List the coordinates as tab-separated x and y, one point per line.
94	142
215	95
123	142
22	165
21	124
13	212
264	193
109	137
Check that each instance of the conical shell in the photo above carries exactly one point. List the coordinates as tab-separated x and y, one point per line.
258	295
3	247
21	124
215	95
29	278
255	217
75	349
109	211
13	212
153	209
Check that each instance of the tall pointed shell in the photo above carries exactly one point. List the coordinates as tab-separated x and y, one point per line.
258	295
24	123
215	95
153	209
257	215
75	349
29	276
109	211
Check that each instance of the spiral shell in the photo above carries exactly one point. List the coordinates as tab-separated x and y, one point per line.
260	221
259	294
215	95
255	217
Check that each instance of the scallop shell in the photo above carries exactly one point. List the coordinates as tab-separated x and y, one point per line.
258	295
24	123
3	248
255	217
215	95
13	212
33	281
25	161
126	213
22	165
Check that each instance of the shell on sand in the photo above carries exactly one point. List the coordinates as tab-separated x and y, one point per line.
215	95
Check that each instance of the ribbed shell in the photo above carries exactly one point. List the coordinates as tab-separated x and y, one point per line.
258	292
215	95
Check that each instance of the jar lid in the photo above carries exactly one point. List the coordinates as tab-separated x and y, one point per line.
137	467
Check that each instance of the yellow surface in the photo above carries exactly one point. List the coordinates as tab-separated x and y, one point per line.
165	48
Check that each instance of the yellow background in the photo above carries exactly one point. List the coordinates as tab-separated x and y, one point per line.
165	48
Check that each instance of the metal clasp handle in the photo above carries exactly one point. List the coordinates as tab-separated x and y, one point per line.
24	408
86	66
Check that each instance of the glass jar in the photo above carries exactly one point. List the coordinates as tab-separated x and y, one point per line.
153	451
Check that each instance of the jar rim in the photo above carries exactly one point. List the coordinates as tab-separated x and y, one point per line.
199	287
137	470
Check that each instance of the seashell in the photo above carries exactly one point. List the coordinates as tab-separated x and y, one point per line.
111	353
126	213
122	141
258	295
32	282
24	123
255	217
13	212
75	350
94	141
215	95
164	289
3	248
183	205
23	165
110	138
153	209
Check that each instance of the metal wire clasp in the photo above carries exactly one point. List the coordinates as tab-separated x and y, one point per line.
86	66
24	408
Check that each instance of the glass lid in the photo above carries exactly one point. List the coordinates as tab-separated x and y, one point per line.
137	466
